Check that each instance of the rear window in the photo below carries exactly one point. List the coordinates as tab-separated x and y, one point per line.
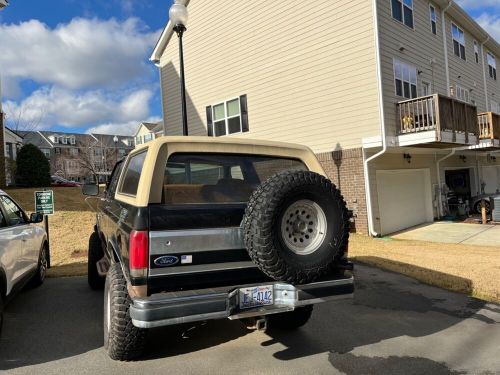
219	178
132	174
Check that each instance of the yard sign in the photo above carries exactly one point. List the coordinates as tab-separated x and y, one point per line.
44	202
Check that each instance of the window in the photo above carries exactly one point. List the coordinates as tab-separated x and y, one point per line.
113	183
463	94
14	215
402	10
433	16
458	41
148	137
227	119
73	151
56	139
426	88
57	150
3	223
46	152
476	52
72	140
121	152
492	65
405	78
219	178
132	175
64	140
138	140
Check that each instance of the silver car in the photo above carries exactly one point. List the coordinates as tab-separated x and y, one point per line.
23	249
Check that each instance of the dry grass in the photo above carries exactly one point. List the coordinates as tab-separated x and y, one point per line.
473	270
69	229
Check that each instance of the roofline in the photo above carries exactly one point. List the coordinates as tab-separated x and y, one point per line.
45	139
165	36
456	11
14	132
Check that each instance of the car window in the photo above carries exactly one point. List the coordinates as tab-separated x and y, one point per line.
3	223
113	183
15	215
132	174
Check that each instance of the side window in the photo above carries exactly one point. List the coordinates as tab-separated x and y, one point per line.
15	215
133	174
402	10
113	183
3	223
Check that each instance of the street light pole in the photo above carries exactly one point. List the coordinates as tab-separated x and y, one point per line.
178	16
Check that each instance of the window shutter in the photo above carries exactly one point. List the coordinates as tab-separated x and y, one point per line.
244	113
210	125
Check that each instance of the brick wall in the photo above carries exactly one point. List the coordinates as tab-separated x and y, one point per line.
2	151
345	169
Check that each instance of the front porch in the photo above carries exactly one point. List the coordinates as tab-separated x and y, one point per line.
437	121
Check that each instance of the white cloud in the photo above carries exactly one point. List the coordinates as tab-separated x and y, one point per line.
93	108
479	4
491	23
127	128
84	53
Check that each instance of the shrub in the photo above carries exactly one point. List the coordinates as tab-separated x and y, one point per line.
32	167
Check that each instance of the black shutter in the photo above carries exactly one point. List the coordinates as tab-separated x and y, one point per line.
210	125
244	113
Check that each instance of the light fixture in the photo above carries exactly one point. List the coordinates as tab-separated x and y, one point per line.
407	157
463	158
178	15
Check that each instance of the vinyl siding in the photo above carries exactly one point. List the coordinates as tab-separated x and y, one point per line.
492	86
309	79
420	45
471	74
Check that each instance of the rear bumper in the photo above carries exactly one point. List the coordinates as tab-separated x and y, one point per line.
164	309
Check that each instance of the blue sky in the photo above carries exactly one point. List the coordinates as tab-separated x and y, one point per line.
82	65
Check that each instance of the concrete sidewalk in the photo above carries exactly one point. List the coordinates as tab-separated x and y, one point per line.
459	233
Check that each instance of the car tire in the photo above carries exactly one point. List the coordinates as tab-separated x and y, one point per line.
477	208
290	320
122	340
95	254
1	313
296	227
41	271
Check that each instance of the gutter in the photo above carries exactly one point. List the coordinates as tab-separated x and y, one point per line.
445	45
371	230
484	72
438	172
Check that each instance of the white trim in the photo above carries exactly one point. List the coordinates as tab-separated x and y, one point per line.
226	117
460	30
46	140
410	68
476	51
431	6
403	5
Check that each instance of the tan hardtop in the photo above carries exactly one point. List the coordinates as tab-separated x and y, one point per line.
160	149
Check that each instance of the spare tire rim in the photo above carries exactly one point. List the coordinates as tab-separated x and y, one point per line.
303	227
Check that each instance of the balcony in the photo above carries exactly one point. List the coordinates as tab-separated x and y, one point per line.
489	131
437	121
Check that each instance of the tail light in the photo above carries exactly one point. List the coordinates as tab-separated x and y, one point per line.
139	253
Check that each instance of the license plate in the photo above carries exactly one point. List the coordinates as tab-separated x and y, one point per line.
256	296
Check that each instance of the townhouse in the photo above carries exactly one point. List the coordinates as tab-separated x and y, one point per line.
398	98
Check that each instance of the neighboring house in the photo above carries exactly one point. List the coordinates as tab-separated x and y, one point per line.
80	157
13	142
386	92
148	131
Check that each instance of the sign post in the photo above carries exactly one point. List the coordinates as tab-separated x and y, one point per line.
44	204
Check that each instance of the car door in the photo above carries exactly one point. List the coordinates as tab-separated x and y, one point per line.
109	206
12	238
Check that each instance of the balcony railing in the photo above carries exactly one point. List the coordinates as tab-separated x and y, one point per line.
439	113
489	125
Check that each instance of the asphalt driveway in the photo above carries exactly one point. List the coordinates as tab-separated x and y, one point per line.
459	233
395	325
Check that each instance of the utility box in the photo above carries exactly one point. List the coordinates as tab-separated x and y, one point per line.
495	208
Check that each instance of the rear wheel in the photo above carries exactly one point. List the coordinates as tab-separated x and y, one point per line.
290	320
95	254
486	205
41	270
122	340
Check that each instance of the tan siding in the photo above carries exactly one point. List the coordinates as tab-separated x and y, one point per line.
421	46
471	73
308	78
492	85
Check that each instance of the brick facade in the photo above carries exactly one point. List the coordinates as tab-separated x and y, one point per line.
345	169
2	151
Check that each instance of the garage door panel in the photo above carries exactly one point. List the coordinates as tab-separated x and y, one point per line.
404	198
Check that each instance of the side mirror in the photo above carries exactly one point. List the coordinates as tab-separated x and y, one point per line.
36	217
90	189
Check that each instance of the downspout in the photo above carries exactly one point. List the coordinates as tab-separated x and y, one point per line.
484	73
445	45
371	230
438	172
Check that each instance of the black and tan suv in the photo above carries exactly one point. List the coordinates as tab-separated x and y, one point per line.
195	228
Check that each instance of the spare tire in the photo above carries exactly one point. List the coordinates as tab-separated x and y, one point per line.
296	227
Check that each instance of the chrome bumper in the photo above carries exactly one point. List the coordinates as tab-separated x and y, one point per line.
171	308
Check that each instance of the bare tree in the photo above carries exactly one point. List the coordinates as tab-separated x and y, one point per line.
95	157
23	118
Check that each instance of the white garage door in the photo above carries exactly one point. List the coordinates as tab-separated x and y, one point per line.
404	198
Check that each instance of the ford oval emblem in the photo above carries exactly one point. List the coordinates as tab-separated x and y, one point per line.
166	261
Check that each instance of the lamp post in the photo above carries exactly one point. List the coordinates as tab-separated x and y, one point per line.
178	15
115	140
